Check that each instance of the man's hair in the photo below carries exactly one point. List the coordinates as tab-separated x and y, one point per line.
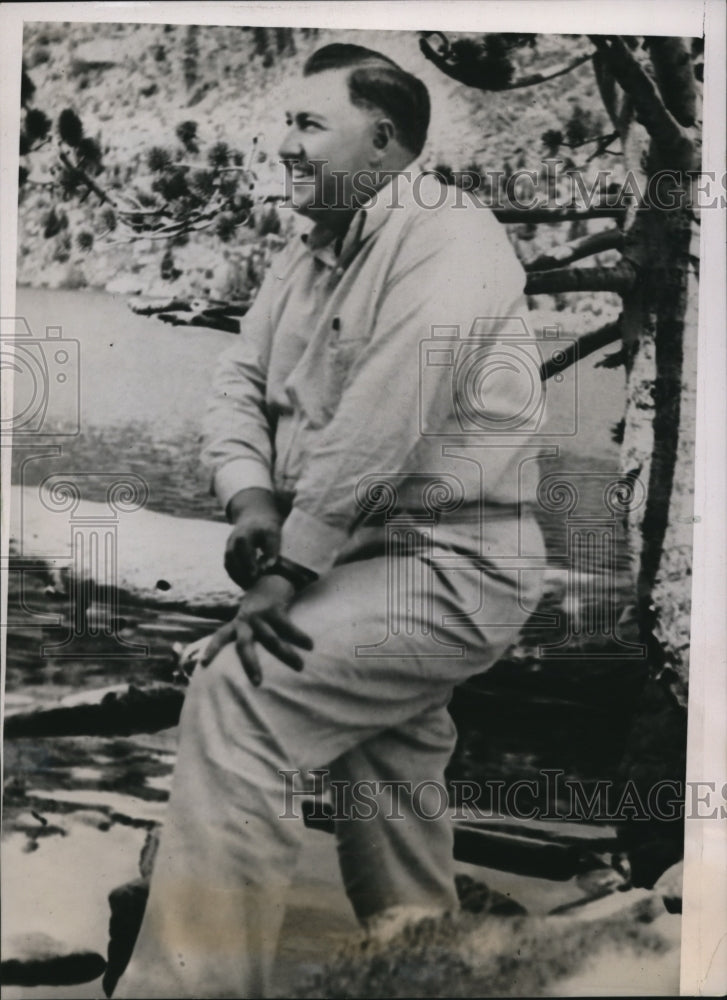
377	81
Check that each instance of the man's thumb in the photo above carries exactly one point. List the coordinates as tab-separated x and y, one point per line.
270	548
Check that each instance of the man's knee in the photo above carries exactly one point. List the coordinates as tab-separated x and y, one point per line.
215	690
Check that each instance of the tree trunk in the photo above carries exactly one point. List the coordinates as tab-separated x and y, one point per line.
660	335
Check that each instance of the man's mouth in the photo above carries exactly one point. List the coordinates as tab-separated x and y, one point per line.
300	172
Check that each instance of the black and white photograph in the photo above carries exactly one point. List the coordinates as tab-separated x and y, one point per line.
363	443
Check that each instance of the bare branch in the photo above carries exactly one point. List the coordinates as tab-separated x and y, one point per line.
568	253
582	347
582	279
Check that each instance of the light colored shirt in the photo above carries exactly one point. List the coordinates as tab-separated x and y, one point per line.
397	368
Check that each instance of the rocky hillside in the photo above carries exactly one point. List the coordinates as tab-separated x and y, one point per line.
132	85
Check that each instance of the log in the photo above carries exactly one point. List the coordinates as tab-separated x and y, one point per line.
535	849
120	711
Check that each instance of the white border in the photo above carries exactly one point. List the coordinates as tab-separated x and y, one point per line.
704	924
704	940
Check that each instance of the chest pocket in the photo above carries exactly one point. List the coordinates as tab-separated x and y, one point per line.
343	349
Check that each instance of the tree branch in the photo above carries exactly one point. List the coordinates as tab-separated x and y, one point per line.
538	216
472	74
84	177
675	75
535	78
582	347
567	253
659	122
620	278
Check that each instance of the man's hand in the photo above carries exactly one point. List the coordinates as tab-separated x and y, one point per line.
254	541
262	617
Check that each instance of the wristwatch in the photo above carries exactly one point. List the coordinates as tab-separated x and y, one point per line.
299	576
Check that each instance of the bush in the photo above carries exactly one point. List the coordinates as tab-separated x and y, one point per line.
158	159
186	132
70	128
219	155
53	223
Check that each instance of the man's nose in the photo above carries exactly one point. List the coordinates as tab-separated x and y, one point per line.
291	147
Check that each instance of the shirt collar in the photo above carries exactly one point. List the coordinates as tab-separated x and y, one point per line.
367	221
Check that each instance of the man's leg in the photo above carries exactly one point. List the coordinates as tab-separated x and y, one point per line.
225	859
395	835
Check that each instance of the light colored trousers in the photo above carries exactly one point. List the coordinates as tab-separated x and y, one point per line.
377	714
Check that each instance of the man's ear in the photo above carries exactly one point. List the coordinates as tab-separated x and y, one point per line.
384	132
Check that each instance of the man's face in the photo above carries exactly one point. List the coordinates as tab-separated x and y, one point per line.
325	127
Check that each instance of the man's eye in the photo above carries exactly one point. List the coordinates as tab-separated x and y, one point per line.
303	123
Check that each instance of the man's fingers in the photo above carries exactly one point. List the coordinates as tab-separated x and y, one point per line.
268	638
248	657
287	630
221	638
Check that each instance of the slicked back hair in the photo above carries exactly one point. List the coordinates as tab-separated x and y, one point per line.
377	81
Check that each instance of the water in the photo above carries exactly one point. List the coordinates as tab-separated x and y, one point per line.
142	387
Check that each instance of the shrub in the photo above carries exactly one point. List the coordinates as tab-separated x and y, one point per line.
186	132
70	128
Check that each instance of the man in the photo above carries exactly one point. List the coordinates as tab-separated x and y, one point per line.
378	517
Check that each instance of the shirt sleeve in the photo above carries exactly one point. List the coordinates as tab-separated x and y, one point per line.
450	269
237	444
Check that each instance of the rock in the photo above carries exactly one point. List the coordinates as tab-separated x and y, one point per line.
127	903
670	885
96	54
641	905
94	818
39	960
149	853
129	810
476	897
152	566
